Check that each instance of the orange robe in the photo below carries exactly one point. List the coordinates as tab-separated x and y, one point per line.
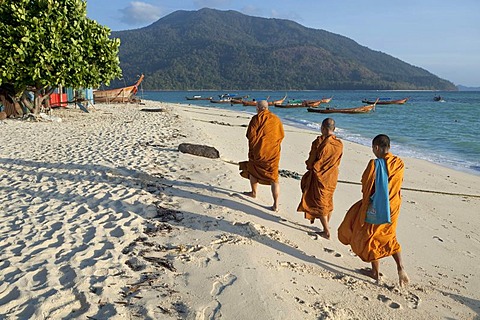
372	241
264	134
319	182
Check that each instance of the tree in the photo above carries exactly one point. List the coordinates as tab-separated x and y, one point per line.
46	43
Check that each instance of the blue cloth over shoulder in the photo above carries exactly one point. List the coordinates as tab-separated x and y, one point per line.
378	211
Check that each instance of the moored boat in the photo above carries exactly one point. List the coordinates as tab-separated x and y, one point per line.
253	103
224	98
118	95
297	103
312	103
238	100
386	101
274	102
198	98
361	109
249	103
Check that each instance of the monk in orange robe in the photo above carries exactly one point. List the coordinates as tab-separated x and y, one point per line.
319	182
372	242
264	134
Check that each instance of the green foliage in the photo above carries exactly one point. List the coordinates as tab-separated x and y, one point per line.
211	49
45	43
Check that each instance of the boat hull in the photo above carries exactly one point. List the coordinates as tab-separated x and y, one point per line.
199	98
247	103
302	104
119	95
363	109
402	101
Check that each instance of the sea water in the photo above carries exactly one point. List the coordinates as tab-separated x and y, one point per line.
446	133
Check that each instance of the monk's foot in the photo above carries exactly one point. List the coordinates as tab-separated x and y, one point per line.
250	194
372	274
324	234
274	208
403	279
312	221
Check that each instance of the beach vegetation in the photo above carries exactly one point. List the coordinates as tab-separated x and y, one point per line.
47	43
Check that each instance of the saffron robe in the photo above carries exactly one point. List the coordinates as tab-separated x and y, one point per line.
265	134
374	241
319	182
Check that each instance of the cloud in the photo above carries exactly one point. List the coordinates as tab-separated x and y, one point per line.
252	11
140	13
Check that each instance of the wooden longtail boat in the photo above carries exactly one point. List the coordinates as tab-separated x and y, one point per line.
253	103
198	98
119	95
236	101
312	103
299	104
326	100
362	109
225	98
386	101
249	103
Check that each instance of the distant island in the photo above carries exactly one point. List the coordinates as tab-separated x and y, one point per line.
465	88
217	50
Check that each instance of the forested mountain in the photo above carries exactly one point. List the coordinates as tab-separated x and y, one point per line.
212	49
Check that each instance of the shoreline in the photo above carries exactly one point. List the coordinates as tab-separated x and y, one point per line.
102	217
407	154
308	127
423	164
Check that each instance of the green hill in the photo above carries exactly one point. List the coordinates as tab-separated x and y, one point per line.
212	49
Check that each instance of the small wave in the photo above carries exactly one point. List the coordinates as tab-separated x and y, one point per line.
400	148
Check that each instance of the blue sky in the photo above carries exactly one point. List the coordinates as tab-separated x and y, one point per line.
441	36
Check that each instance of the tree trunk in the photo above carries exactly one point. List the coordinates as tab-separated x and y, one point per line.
37	101
41	96
25	100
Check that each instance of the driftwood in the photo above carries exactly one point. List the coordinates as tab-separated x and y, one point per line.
152	110
199	150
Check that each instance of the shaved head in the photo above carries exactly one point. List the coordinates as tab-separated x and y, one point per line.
329	124
262	105
382	141
328	127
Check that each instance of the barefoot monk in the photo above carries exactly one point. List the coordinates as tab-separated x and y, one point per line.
369	226
264	134
319	182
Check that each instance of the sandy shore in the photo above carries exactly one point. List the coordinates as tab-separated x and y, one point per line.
102	218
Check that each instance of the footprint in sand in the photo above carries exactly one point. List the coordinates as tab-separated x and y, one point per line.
331	251
221	283
210	312
413	300
388	301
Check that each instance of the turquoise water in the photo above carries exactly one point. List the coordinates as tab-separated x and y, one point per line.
446	133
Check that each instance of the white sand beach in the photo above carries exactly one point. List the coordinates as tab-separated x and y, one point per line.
101	217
